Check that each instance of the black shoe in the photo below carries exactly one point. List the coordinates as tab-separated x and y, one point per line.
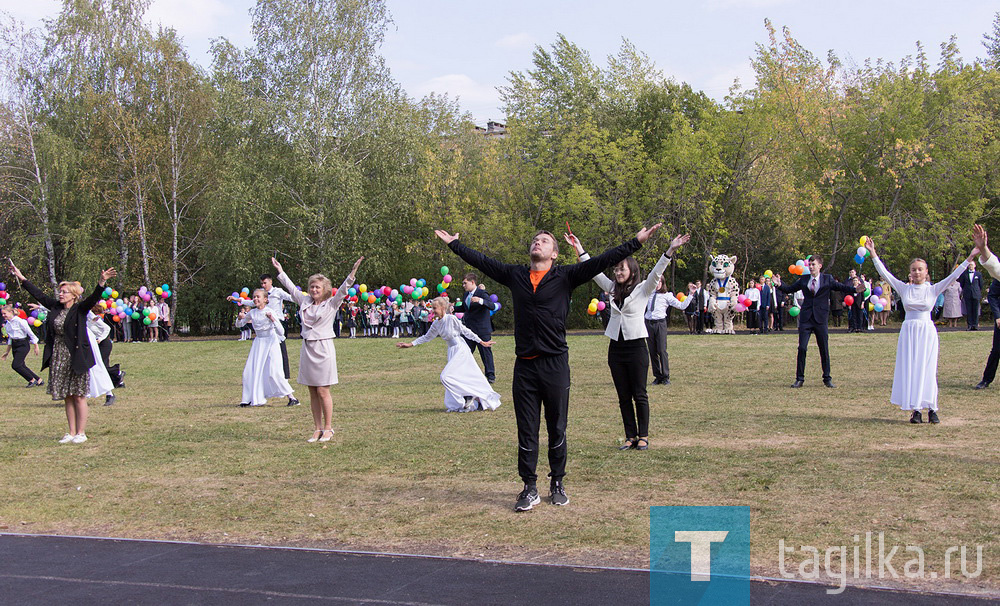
491	380
31	383
664	381
916	417
628	444
830	384
244	404
527	499
982	385
293	402
109	400
932	417
797	383
557	493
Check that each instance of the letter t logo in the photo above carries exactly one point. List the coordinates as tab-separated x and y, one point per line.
701	550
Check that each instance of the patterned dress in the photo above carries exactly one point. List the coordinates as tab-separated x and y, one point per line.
63	382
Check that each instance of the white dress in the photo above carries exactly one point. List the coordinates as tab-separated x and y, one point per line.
914	383
264	374
461	376
100	382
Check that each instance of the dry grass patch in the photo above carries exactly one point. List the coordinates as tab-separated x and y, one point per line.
176	459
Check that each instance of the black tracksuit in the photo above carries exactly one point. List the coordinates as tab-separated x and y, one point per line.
541	371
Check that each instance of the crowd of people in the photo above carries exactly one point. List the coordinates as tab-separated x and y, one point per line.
637	305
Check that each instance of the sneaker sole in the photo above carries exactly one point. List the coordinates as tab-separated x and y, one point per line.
534	502
566	502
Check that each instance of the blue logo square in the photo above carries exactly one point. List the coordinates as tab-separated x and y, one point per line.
699	555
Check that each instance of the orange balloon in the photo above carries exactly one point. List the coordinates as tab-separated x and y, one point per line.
792	268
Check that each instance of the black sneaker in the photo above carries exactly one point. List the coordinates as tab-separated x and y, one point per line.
293	402
916	417
557	493
109	399
527	499
244	404
932	417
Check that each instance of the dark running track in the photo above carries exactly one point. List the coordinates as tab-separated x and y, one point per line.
39	570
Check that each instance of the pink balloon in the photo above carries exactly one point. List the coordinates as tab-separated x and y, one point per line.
413	282
600	306
447	278
459	315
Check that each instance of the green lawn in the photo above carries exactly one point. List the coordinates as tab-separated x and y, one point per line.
176	459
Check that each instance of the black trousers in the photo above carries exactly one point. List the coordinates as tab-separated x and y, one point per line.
164	332
657	343
764	314
857	317
113	371
486	354
629	363
779	319
972	309
991	362
823	340
284	361
20	348
541	383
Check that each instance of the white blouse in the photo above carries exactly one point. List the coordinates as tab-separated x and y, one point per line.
629	320
451	329
317	318
97	327
262	325
17	328
658	303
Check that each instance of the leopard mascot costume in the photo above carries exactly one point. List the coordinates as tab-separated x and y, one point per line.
723	291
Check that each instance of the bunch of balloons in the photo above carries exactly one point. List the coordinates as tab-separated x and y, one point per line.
800	268
594	307
241	298
862	253
743	303
876	302
38	316
3	294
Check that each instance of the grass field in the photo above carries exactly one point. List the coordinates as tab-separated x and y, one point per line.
176	459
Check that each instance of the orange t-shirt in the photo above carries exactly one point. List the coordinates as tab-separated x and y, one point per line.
536	277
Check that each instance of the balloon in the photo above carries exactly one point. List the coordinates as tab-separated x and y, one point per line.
873	299
494	298
592	307
682	297
165	287
108	291
871	307
800	263
863	240
3	286
601	305
363	288
805	271
421	282
145	311
413	281
424	291
371	298
3	301
166	294
848	300
444	270
116	318
878	307
769	274
877	291
159	291
498	308
447	278
235	295
142	289
114	294
459	315
884	302
147	321
394	294
868	293
440	288
794	311
152	317
859	260
37	322
739	308
416	294
791	269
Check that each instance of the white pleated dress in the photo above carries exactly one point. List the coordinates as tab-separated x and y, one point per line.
99	383
914	382
263	374
461	376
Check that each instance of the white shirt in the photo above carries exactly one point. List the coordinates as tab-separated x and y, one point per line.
275	301
658	302
753	294
263	325
97	327
17	328
991	265
629	320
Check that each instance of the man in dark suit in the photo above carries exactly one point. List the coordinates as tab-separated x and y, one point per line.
478	306
814	315
766	300
972	291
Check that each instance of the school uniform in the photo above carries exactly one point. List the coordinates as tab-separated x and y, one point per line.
20	338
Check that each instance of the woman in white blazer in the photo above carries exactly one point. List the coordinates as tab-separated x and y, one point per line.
628	356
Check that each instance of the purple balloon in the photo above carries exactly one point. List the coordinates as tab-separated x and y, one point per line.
877	290
3	286
494	298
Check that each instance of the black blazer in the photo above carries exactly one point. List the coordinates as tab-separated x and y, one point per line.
971	289
816	307
993	297
74	330
477	315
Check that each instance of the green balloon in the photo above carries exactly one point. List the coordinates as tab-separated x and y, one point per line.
444	270
147	321
135	315
794	311
416	294
868	292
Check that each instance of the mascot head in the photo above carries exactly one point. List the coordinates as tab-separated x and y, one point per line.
722	266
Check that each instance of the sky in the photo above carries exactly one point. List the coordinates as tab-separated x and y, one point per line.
467	48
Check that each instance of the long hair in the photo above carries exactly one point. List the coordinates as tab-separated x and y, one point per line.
623	290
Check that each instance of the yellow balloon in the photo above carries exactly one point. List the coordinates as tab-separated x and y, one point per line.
863	240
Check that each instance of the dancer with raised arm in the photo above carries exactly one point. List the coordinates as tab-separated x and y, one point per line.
914	382
540	295
19	336
68	352
991	264
465	386
815	315
628	355
318	360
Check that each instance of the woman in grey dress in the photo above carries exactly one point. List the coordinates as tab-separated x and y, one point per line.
68	352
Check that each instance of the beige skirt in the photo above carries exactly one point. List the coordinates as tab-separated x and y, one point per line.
318	363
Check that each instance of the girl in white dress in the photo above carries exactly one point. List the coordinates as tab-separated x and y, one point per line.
318	360
914	383
264	374
465	386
